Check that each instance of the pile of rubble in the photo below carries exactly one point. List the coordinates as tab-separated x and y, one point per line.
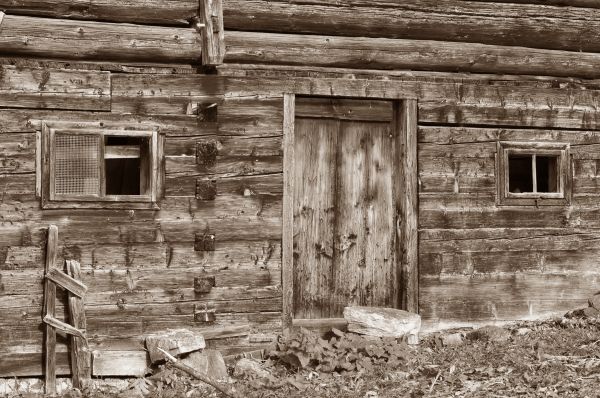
387	335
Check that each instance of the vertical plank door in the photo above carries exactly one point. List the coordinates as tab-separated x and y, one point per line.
347	202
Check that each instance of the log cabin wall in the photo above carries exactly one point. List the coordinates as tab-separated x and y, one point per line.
483	72
121	64
487	71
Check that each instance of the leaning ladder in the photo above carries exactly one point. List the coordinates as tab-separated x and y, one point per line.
71	282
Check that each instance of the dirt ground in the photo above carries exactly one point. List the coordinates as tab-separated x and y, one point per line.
555	358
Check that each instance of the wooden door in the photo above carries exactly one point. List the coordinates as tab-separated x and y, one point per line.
348	200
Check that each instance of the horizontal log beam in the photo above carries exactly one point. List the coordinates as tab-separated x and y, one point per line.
466	103
44	88
87	40
536	26
164	12
377	53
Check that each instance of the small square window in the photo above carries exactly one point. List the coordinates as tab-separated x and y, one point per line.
533	173
99	168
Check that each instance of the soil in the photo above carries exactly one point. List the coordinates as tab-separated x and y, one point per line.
554	358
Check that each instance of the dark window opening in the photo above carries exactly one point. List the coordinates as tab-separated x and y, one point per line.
547	173
520	175
523	179
126	165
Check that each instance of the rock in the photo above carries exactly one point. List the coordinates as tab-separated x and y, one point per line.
208	362
382	322
489	333
175	342
587	312
250	367
454	339
591	312
522	331
594	301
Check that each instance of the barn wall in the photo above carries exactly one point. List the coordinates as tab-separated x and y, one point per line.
136	62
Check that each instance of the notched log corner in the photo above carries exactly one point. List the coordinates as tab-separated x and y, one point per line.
206	153
206	189
204	243
204	284
204	314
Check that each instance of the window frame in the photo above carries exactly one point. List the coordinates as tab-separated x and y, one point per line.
46	175
558	149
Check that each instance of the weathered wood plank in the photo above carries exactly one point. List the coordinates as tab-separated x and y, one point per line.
287	233
448	135
497	217
31	364
22	120
112	282
227	146
313	196
160	12
504	297
407	246
66	282
17	153
163	94
262	116
464	103
225	166
89	40
507	24
120	363
54	88
50	310
80	356
213	32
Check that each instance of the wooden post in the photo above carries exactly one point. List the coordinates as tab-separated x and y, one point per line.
50	309
1	17
287	277
80	355
213	32
408	235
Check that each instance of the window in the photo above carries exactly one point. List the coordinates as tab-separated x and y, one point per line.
99	168
533	173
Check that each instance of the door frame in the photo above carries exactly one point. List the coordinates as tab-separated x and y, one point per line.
405	120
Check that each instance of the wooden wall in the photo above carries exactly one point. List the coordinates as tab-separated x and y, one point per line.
139	65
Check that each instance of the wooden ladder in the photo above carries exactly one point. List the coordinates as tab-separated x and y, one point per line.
71	282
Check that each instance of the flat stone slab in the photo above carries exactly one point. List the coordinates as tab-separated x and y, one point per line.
208	362
175	342
382	322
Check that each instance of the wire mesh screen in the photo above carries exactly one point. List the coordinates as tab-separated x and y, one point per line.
76	164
